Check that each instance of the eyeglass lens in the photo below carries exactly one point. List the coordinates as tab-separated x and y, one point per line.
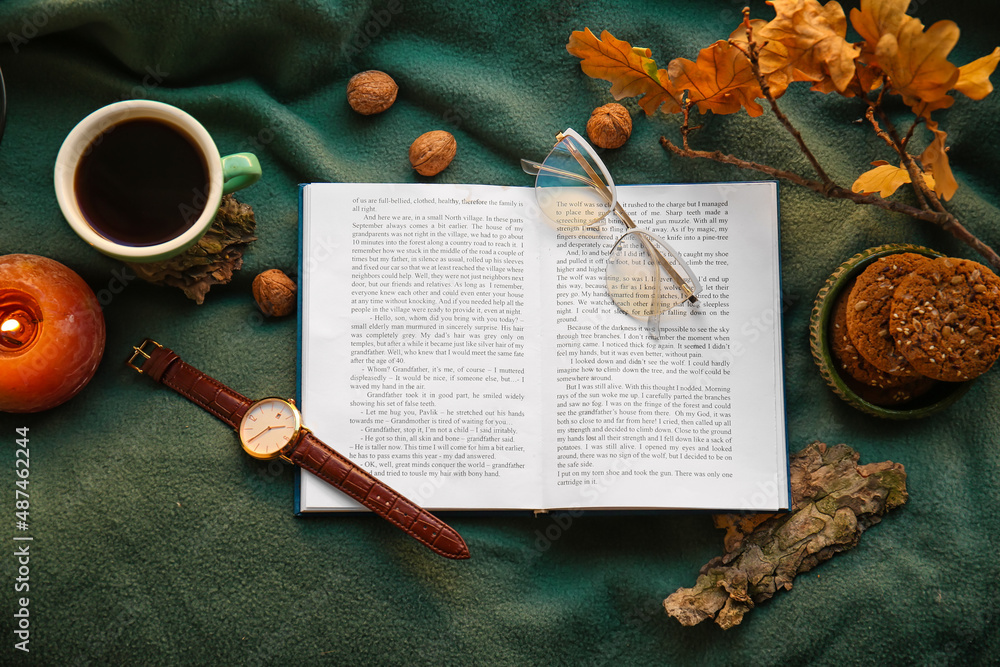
571	188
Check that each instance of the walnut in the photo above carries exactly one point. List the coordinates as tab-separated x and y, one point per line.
371	92
609	126
274	293
432	152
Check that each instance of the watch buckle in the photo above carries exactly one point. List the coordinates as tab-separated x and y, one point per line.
140	351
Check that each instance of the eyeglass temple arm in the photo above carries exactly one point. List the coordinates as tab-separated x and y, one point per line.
653	321
533	168
660	259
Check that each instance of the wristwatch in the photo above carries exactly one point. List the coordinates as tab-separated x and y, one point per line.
272	428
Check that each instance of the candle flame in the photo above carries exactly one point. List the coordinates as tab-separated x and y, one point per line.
10	326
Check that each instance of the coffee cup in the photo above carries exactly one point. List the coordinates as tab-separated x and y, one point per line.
141	181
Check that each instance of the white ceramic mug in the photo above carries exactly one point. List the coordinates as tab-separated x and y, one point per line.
224	175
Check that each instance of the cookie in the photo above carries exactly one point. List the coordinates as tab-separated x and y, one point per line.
846	355
868	311
946	319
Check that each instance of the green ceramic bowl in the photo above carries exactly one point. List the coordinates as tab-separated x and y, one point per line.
941	396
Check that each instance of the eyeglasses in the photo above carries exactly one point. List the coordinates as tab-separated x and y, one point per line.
645	277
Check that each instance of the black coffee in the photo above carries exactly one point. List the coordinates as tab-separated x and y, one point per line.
141	182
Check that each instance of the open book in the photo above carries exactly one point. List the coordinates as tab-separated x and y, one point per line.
457	347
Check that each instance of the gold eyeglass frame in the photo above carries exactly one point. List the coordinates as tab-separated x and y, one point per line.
606	187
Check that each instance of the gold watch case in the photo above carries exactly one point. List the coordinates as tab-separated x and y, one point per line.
268	427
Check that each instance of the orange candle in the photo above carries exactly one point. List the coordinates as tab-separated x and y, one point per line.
51	333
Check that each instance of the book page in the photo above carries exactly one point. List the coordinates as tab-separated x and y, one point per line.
695	419
420	354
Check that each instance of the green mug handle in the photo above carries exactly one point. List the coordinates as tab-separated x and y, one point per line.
239	170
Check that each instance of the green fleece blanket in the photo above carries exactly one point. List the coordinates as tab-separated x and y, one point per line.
158	542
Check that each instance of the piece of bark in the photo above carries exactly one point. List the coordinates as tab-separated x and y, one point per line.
834	500
213	259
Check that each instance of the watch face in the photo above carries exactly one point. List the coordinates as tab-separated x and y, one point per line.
268	426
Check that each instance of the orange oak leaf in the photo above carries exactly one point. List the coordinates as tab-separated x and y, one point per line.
884	179
874	19
721	80
777	82
917	61
869	78
631	72
814	38
924	109
935	160
866	79
974	78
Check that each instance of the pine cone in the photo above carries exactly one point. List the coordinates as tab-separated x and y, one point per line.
213	259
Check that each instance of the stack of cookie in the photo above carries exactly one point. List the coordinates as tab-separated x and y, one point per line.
909	321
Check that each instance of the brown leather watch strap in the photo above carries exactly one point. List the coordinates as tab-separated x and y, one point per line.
316	457
163	365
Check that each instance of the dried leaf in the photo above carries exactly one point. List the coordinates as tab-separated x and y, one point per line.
834	500
866	79
974	78
874	19
924	109
777	82
885	179
721	80
917	61
814	38
935	160
631	71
